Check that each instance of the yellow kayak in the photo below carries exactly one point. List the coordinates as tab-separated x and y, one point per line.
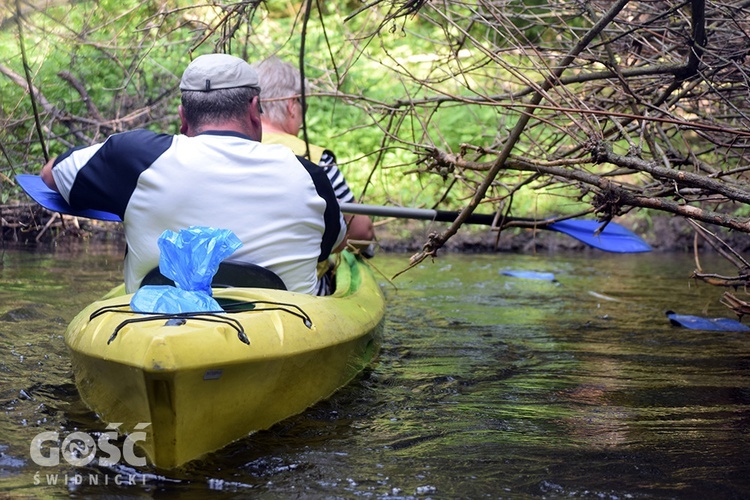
197	382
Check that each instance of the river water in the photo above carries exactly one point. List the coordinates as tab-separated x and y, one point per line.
487	386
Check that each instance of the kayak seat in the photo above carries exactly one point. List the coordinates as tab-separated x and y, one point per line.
230	274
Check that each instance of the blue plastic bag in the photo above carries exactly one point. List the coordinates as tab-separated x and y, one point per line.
166	299
190	258
530	275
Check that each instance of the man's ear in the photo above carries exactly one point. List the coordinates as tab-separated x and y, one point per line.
253	112
254	109
183	122
291	108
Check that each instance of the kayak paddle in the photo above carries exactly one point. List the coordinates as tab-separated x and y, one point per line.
53	201
613	238
710	324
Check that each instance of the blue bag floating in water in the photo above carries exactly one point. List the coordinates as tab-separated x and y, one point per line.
190	258
529	275
711	324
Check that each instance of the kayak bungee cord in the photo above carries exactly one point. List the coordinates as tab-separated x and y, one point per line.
210	316
239	306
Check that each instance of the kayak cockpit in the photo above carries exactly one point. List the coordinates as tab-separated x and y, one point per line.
231	273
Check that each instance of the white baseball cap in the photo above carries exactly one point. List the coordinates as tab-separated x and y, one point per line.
218	71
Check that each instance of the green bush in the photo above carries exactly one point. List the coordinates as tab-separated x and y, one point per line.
129	58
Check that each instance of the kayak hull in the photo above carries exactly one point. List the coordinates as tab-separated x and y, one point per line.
194	386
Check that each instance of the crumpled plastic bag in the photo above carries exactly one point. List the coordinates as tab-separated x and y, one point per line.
166	299
190	258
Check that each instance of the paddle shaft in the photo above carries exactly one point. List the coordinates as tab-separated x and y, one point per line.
434	215
611	238
52	200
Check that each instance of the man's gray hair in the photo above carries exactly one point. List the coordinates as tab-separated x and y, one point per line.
203	108
279	80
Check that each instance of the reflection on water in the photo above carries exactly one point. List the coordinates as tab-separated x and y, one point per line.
487	386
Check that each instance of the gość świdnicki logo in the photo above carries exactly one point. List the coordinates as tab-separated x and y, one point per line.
80	448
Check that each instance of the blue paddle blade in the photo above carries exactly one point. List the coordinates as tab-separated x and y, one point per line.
614	238
711	324
35	187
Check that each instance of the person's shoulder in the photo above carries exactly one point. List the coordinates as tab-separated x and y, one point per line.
327	158
307	163
313	169
288	140
295	144
139	146
138	133
274	150
142	137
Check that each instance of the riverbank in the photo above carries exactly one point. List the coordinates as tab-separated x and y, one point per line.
29	225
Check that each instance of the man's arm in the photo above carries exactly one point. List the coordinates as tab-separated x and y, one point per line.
359	227
46	175
334	234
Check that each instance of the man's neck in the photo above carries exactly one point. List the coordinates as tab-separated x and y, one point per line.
226	127
270	128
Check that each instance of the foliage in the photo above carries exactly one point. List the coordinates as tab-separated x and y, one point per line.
94	71
528	108
124	60
631	104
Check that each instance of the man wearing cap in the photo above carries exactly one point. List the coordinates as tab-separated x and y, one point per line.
282	122
216	173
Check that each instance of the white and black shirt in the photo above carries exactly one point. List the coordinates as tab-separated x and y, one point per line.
281	207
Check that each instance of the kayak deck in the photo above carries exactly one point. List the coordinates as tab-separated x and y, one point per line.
198	382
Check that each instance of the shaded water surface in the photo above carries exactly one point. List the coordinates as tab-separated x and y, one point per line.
488	386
